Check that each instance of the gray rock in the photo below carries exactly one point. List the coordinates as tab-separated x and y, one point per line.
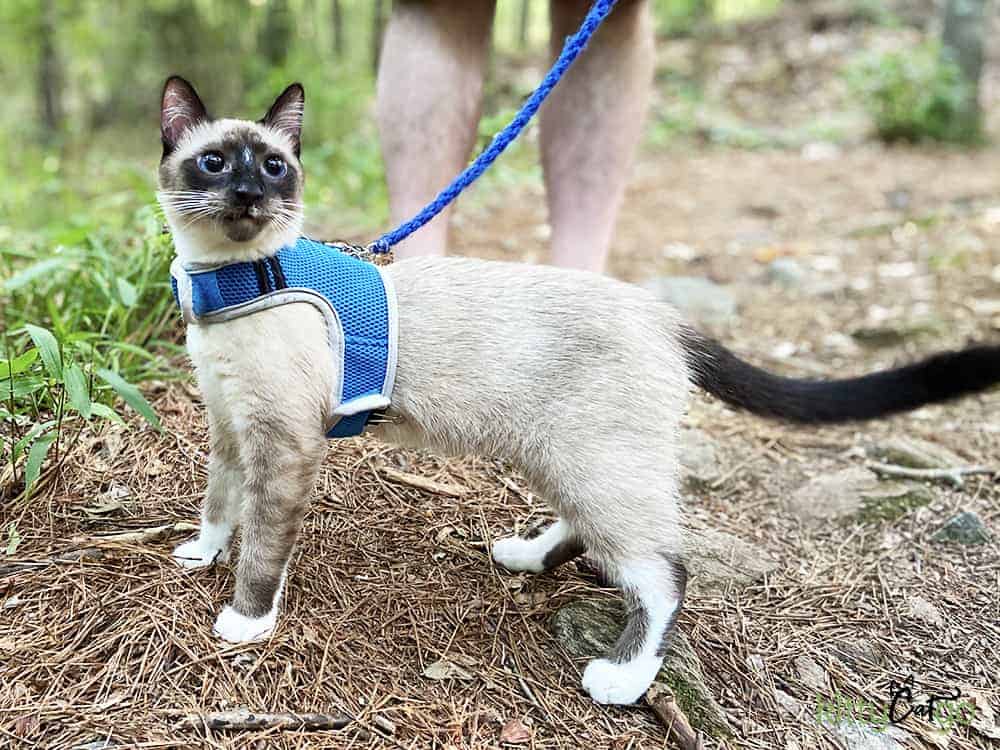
965	528
859	736
892	500
914	453
811	673
855	494
924	610
698	456
588	629
696	297
856	654
785	271
832	496
716	560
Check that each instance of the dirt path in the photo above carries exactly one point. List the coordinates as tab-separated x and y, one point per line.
390	578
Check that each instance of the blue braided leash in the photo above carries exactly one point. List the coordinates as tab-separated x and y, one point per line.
571	49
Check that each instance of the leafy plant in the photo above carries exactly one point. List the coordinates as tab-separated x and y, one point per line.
79	321
912	94
50	393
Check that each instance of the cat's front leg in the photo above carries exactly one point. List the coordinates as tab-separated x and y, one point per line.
279	477
220	512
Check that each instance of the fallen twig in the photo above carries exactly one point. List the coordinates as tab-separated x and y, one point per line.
92	552
243	719
139	535
679	730
423	483
951	474
89	553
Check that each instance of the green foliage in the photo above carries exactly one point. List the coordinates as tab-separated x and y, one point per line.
912	94
79	322
679	17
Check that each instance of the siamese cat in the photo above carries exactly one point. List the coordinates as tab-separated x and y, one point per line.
577	380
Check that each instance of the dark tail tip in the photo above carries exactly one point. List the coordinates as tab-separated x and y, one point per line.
941	377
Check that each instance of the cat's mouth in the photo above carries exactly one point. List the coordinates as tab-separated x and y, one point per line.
244	223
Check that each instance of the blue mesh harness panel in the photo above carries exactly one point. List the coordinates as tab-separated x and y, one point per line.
356	299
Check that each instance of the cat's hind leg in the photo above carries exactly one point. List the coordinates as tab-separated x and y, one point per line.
654	588
554	546
221	509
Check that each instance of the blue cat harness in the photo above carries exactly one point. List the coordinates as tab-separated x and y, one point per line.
355	297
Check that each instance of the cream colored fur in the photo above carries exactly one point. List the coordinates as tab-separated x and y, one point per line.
576	379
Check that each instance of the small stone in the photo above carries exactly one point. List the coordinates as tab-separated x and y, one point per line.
716	561
694	296
965	528
820	151
811	673
898	199
784	350
679	251
924	610
785	271
515	732
914	453
445	669
788	704
984	308
840	343
590	628
857	654
698	456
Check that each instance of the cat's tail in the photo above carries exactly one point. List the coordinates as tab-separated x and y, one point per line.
938	378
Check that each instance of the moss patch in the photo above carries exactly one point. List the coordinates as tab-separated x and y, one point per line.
892	500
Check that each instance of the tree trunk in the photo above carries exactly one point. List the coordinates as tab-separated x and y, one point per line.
276	32
49	72
378	26
703	13
524	24
338	29
962	42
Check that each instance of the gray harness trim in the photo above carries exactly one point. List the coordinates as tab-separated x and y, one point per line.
335	332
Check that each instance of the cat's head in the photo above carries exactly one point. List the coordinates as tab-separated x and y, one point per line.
230	189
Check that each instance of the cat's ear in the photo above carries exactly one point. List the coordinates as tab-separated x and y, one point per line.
180	110
286	114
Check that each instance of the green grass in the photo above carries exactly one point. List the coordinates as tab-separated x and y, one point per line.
85	310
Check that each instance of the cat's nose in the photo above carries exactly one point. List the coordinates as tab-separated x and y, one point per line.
248	192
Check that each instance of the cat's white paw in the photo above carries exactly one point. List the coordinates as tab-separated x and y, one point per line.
518	554
233	627
200	553
620	684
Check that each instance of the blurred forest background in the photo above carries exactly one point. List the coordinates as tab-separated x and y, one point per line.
85	309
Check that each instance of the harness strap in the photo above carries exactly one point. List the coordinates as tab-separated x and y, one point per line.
356	299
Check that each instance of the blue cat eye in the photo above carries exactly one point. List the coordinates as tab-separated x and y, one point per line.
211	162
275	166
